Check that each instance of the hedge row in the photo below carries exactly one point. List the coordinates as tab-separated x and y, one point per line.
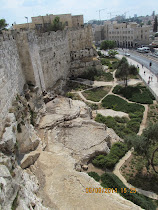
117	151
111	181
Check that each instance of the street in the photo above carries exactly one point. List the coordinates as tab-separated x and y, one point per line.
143	59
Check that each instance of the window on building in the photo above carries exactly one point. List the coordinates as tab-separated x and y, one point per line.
66	23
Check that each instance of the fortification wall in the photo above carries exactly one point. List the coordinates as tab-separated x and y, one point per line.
12	77
41	59
50	56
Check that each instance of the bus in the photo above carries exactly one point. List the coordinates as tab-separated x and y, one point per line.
143	49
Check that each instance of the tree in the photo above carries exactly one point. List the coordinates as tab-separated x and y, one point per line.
56	25
155	25
3	24
107	45
112	53
146	145
123	70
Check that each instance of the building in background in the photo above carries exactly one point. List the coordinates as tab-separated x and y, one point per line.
44	21
124	34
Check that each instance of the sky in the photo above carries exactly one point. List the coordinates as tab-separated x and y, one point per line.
17	10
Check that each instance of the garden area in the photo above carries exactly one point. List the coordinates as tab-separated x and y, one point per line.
96	94
109	180
135	173
138	93
122	126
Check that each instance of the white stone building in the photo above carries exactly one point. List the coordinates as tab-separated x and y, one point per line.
124	34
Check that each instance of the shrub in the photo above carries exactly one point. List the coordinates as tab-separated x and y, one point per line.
99	53
92	73
111	181
99	161
94	175
137	94
104	61
117	151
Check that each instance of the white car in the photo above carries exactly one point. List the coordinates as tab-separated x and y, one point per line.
127	54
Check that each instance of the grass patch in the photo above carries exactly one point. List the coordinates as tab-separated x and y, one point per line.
139	94
109	180
117	151
96	94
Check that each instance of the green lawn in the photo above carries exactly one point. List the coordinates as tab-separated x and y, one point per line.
96	94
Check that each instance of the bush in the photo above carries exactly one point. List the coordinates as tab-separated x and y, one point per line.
104	61
119	125
99	161
94	175
99	53
111	181
121	119
117	151
92	73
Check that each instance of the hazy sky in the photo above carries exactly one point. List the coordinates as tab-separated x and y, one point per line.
17	10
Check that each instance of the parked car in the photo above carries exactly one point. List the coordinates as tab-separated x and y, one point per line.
127	54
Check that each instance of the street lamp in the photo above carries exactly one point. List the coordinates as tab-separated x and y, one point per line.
27	21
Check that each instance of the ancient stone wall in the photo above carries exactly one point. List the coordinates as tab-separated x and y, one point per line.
11	75
42	59
50	56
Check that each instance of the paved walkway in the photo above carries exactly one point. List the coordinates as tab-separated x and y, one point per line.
153	85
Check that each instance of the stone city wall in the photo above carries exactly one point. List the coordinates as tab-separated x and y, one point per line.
42	59
12	78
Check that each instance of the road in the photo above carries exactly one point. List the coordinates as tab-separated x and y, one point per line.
143	59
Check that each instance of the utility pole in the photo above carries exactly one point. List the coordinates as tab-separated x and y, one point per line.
99	12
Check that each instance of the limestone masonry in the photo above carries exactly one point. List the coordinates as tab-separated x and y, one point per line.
45	60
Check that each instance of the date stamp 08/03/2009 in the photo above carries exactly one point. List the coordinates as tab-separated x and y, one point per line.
109	190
